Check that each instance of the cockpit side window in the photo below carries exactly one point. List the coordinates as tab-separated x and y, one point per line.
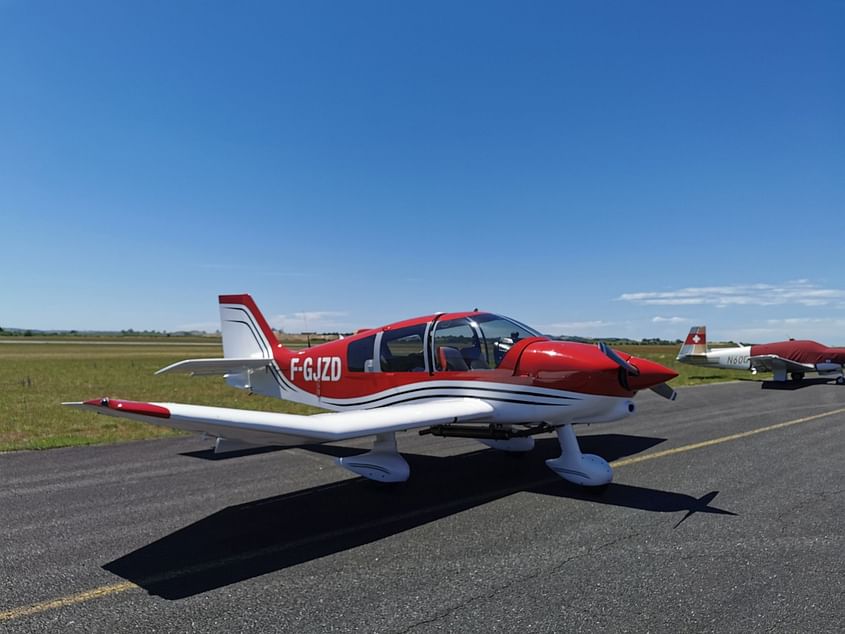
402	350
457	347
359	353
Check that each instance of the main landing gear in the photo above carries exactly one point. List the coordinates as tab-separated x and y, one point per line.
584	469
382	464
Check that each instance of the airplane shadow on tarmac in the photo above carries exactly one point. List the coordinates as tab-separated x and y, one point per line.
795	385
248	540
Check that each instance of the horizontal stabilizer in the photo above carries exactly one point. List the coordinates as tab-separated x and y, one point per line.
215	367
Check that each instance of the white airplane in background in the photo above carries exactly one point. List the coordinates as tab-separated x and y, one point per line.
792	357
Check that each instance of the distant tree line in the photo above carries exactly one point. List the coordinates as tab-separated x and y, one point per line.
623	341
128	332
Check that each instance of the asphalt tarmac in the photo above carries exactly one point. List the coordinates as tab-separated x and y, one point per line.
727	514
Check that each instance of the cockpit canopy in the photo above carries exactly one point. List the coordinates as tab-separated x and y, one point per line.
473	341
476	342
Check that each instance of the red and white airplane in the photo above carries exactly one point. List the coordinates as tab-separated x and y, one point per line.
793	357
470	374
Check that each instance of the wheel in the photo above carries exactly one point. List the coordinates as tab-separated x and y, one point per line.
797	376
840	380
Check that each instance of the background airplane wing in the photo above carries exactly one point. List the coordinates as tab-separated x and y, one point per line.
773	363
272	428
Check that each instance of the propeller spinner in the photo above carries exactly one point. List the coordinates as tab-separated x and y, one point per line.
627	370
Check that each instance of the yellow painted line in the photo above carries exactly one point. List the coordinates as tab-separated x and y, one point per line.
723	439
116	588
72	599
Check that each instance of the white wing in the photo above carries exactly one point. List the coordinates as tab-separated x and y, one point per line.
271	428
773	363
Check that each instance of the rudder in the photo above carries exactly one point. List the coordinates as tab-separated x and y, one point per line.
246	334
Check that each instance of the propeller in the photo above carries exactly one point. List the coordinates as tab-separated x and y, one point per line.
627	369
611	353
663	389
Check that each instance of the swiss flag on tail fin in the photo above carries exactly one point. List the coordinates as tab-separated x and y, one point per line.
695	344
697	336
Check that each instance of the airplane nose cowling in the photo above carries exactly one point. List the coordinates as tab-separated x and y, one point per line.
590	369
651	374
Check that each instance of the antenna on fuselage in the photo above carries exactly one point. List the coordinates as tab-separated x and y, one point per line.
307	330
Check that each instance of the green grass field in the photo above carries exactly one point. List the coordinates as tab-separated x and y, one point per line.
36	377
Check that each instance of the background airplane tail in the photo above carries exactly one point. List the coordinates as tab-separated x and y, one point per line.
246	334
695	344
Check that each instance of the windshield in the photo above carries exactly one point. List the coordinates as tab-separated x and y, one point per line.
500	333
479	342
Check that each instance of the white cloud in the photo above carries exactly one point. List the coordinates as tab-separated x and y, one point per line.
311	321
670	320
829	330
802	292
204	326
596	323
223	266
307	321
807	321
587	327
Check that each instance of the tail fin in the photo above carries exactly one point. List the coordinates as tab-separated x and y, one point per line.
696	343
246	334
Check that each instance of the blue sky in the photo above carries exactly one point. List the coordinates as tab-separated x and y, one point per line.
592	168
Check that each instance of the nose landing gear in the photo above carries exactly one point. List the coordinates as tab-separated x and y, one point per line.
572	465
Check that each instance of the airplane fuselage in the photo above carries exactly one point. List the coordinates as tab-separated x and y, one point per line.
538	381
782	358
810	353
725	358
524	377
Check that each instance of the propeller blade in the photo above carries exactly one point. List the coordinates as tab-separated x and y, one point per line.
609	352
665	391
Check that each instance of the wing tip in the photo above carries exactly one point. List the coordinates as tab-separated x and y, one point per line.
120	405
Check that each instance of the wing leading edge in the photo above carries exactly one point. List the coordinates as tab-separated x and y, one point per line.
775	363
272	428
